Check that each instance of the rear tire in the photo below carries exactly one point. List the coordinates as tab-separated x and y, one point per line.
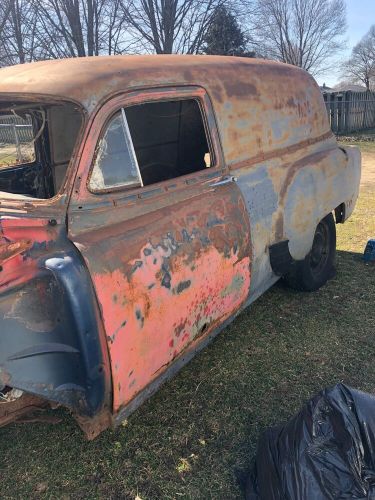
318	266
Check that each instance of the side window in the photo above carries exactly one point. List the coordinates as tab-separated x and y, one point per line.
151	142
16	140
115	162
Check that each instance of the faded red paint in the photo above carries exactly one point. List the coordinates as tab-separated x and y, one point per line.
167	269
149	324
159	291
17	237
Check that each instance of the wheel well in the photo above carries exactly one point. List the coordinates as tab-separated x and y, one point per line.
340	213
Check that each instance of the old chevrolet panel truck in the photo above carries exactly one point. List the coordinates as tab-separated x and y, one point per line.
159	196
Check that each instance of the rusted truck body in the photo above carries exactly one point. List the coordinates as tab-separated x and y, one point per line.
164	195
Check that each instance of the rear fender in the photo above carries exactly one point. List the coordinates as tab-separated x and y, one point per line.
51	334
321	183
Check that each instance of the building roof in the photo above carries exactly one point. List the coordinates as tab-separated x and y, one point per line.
343	87
88	80
325	88
346	87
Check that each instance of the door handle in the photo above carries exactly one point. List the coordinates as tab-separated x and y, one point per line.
224	180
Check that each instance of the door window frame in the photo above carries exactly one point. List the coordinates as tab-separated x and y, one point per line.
82	193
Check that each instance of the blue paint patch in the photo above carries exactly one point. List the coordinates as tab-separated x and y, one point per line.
183	285
166	280
277	129
260	196
261	203
139	317
242	124
136	266
214	221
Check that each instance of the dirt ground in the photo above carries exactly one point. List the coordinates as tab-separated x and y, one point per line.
368	159
368	167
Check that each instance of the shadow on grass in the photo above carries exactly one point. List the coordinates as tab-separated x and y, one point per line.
201	428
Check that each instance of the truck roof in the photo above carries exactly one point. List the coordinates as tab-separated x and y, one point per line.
88	80
261	105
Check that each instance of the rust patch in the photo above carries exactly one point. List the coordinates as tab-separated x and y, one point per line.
92	427
34	306
238	88
22	241
292	169
9	250
14	410
275	153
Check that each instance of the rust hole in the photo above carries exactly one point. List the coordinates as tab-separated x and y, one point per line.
204	328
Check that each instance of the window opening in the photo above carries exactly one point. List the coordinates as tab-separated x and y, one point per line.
151	142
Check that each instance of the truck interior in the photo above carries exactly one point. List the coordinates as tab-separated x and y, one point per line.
169	139
141	145
151	142
36	146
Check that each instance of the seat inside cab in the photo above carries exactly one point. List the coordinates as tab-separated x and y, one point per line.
36	146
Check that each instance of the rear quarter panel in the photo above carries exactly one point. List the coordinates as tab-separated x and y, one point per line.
288	195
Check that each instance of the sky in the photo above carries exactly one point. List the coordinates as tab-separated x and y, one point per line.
360	16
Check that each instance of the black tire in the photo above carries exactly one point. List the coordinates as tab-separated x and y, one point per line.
319	265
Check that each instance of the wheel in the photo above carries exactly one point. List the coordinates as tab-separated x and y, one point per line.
319	264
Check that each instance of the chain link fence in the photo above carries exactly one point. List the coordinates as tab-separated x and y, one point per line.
16	140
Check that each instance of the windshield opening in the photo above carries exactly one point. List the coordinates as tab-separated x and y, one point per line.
36	146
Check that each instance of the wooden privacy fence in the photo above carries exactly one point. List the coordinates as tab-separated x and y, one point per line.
350	111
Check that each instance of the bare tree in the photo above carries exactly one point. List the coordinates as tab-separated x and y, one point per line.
5	8
76	28
305	33
50	29
4	16
360	68
170	26
18	36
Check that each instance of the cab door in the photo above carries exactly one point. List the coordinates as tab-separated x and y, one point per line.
163	230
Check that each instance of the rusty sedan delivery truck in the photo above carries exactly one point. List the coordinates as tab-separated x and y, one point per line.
157	197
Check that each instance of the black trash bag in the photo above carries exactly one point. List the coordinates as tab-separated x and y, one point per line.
327	451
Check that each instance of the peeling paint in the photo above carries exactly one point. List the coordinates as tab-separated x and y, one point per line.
166	266
184	301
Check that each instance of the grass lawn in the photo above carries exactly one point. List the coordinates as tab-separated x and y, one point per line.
8	155
200	431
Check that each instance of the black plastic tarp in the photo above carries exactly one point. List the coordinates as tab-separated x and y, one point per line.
327	451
